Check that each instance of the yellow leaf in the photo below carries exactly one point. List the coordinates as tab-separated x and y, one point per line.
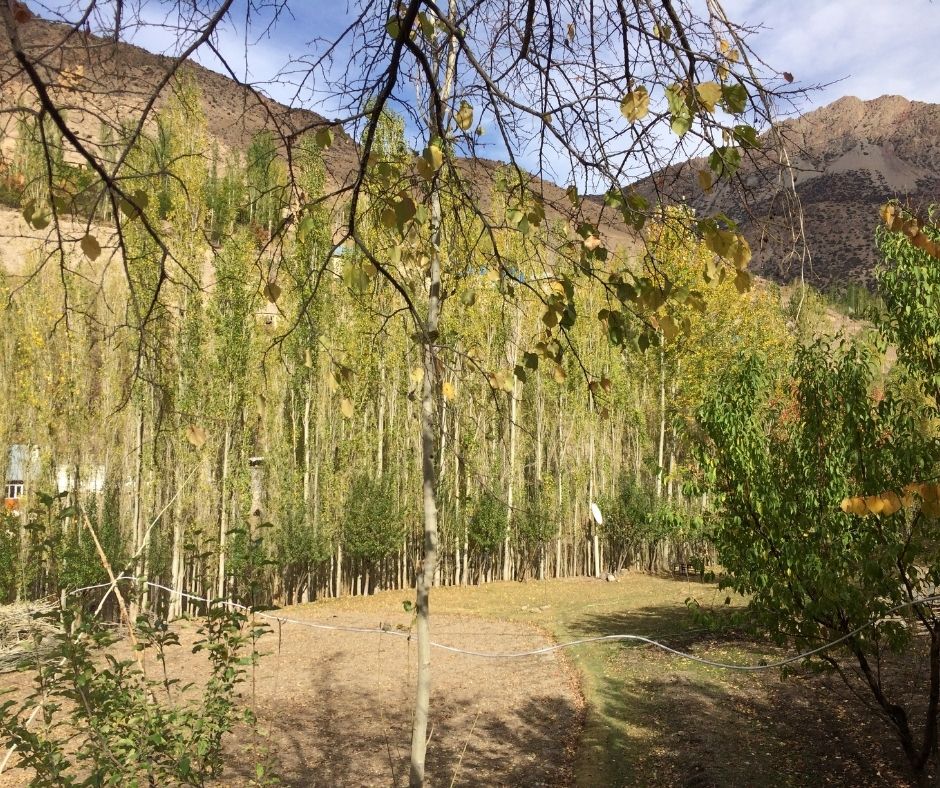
709	94
417	375
874	504
425	170
705	180
719	241
434	156
464	116
741	253
447	389
891	503
669	328
346	407
742	281
559	374
855	505
196	435
636	104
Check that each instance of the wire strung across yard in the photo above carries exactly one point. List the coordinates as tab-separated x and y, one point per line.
533	652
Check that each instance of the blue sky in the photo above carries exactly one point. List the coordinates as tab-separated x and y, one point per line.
864	48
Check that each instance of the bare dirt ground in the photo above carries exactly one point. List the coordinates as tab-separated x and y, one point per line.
334	708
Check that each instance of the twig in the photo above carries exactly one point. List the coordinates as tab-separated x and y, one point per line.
466	744
12	749
117	592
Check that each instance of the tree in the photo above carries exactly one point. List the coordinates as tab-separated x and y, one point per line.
828	499
592	86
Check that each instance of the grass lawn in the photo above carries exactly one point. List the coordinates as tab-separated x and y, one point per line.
657	719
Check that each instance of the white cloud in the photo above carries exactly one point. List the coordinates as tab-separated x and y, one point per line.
866	48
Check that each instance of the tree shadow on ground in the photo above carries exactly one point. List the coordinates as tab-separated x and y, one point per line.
663	720
349	736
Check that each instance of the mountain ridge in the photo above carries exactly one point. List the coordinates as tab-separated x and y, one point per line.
848	157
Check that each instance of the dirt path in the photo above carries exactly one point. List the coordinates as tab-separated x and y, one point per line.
334	708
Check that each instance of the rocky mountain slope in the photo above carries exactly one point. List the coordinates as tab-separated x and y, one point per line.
102	84
848	158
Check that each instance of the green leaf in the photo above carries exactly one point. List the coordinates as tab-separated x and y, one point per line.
307	224
746	136
704	180
725	161
324	137
675	98
393	27
734	98
138	202
405	210
681	123
679	109
355	276
427	25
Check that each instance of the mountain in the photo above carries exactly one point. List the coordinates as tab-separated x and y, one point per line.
848	158
103	84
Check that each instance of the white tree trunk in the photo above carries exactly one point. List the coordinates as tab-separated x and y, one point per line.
223	512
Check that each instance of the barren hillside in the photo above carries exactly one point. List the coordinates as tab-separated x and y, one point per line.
849	157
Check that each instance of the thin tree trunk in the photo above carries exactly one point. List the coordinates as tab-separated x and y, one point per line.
510	483
138	493
592	485
223	512
430	441
662	425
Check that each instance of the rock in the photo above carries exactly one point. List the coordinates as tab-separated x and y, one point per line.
611	578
